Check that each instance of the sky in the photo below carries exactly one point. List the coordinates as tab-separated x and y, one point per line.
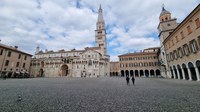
131	25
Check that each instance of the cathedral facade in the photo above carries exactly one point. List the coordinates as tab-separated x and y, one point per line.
90	62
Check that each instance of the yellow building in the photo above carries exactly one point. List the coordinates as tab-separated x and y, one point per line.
13	62
140	64
182	46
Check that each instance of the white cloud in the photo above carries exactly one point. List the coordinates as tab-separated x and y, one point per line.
59	24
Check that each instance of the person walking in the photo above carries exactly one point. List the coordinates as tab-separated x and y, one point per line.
127	80
133	80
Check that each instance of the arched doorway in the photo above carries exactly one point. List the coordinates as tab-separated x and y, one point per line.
198	66
192	70
152	72
122	73
41	73
172	73
113	74
64	70
146	73
175	71
127	73
180	71
157	72
185	71
141	73
136	73
116	73
131	73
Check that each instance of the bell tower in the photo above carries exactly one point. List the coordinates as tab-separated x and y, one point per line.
165	28
100	32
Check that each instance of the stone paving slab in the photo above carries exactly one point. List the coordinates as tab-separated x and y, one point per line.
99	95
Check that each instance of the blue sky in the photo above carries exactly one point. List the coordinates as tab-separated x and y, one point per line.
131	25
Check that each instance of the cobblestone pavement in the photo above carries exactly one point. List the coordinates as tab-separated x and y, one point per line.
98	95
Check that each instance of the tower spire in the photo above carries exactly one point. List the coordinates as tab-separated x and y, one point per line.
100	14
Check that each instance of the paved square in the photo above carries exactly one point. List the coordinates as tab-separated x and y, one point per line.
98	95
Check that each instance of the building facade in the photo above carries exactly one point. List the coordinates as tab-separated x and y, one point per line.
182	45
140	64
165	27
90	62
114	69
13	62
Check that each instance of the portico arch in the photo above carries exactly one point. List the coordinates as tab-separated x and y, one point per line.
171	72
131	73
180	71
64	70
146	73
152	72
141	73
192	70
185	71
157	72
127	73
136	73
122	73
175	71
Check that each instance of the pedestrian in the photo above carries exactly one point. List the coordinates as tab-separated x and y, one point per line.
133	80
127	80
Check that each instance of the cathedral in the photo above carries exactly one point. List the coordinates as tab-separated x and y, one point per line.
89	62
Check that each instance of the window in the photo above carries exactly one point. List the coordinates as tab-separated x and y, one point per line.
7	63
17	65
9	53
24	64
25	57
180	52
177	39
186	49
182	35
189	30
172	42
1	52
175	54
197	21
199	40
167	57
193	46
171	56
19	56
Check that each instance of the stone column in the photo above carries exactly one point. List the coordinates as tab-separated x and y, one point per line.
183	73
197	73
174	73
189	73
177	70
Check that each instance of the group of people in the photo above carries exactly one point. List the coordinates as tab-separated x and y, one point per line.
127	80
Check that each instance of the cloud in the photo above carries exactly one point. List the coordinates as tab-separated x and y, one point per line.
68	24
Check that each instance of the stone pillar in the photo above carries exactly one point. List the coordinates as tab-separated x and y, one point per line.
177	70
174	73
183	73
189	73
197	73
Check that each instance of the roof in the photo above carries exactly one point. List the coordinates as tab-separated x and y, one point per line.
183	22
100	15
138	53
15	48
164	11
60	51
152	48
